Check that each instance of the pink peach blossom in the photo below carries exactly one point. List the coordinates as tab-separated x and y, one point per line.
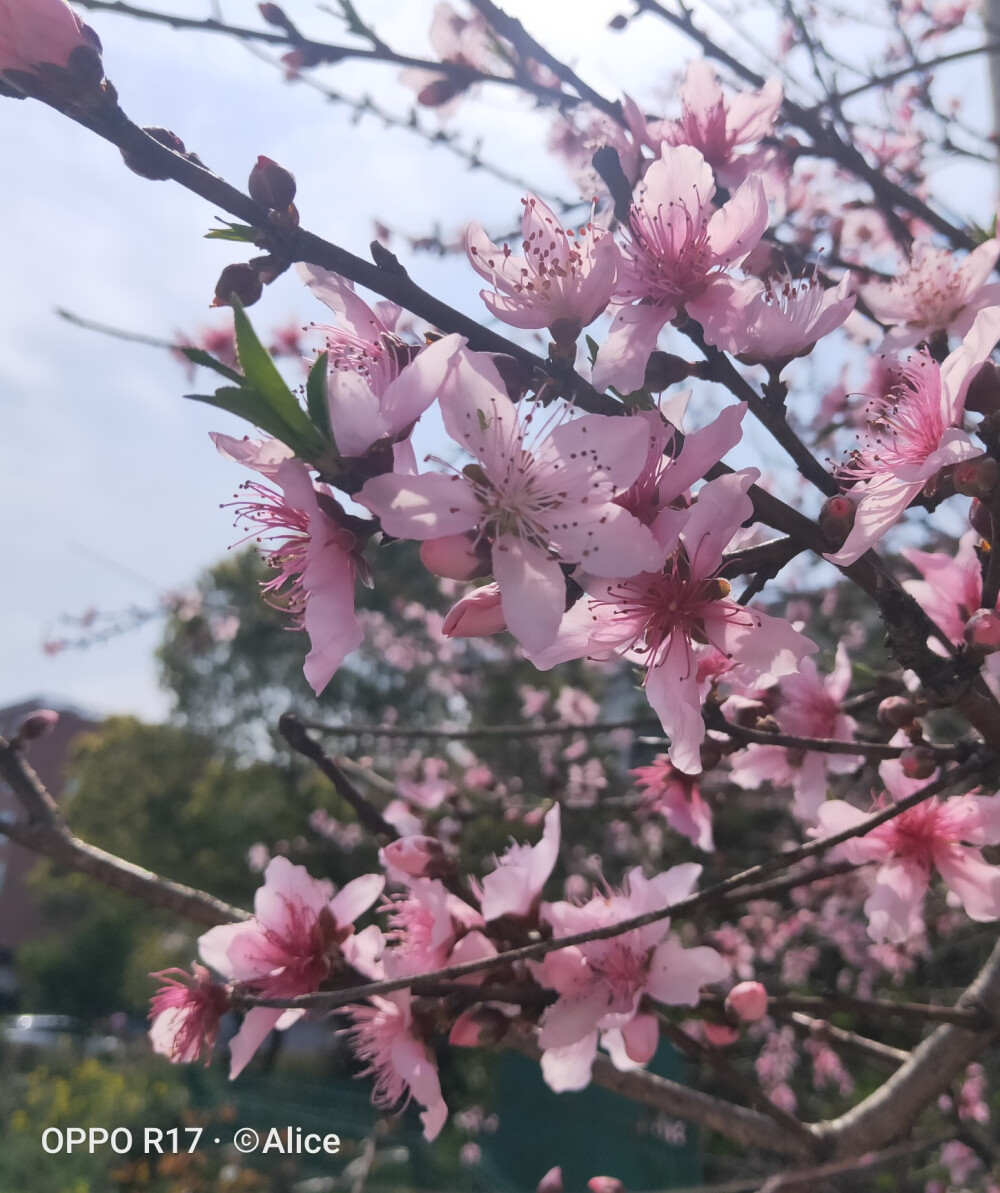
667	476
428	924
655	619
717	128
601	983
808	706
781	319
295	939
674	259
316	558
415	856
912	435
936	293
385	1037
676	796
185	1014
35	33
378	385
943	835
563	281
541	502
515	886
952	586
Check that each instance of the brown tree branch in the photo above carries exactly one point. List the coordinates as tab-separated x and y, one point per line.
821	1030
714	1058
961	777
825	745
294	732
407	732
45	832
925	1075
747	1127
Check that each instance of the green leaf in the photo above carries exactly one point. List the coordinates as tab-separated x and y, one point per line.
244	233
198	356
250	405
316	396
591	349
261	374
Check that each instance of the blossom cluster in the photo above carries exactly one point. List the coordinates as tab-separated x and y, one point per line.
303	938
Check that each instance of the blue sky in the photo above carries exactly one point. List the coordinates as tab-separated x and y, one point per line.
110	481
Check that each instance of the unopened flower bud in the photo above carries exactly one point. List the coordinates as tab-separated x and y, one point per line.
836	519
478	1027
976	478
476	615
435	94
663	369
721	1035
982	631
983	396
551	1182
918	762
456	557
896	712
747	1001
980	519
274	15
605	1184
35	725
420	857
241	281
271	185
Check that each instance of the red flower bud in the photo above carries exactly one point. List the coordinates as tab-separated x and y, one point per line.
918	762
980	519
836	519
35	725
896	712
271	185
605	1184
435	94
982	631
721	1035
551	1182
747	1001
976	478
240	280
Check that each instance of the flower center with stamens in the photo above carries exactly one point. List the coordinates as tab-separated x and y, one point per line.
624	968
271	517
669	253
903	429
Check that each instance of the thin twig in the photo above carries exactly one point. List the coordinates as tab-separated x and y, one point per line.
294	732
820	1029
555	729
749	1089
45	832
328	1000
